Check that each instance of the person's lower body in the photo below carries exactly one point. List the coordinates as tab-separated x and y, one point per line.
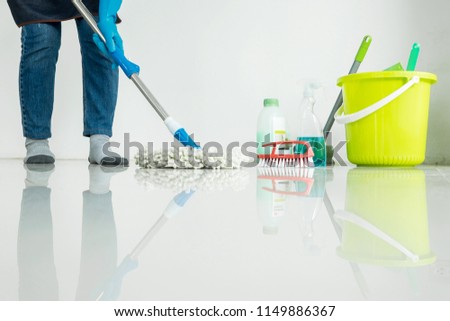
98	263
100	87
35	254
40	48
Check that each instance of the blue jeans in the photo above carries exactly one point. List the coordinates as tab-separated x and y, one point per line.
35	255
40	48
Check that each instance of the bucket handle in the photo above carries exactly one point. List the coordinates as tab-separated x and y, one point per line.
350	118
355	219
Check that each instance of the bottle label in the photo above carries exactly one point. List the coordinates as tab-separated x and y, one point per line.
275	133
279	129
279	200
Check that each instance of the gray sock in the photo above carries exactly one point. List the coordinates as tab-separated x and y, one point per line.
100	178
38	152
99	152
38	174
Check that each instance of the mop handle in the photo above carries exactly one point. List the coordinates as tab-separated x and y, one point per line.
120	59
367	40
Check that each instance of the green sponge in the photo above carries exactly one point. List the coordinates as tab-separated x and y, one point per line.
397	67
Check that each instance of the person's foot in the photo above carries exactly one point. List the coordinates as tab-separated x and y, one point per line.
100	177
99	153
38	152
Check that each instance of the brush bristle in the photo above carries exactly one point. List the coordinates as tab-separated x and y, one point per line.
289	162
305	172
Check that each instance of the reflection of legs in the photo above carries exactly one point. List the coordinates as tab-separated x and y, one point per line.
40	46
37	272
100	87
99	241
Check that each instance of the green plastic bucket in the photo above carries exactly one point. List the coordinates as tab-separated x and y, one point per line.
386	116
385	220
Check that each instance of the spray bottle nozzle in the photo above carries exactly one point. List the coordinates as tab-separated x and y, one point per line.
310	88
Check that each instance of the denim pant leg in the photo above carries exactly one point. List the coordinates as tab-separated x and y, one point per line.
100	85
98	248
40	47
35	254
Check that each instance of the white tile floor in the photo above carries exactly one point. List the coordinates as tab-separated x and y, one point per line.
340	234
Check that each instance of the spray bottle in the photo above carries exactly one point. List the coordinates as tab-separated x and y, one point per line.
309	128
309	204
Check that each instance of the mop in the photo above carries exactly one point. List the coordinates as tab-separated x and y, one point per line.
132	72
157	159
362	50
190	158
185	183
187	180
111	289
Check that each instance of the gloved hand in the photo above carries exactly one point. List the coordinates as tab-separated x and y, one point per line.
107	23
114	44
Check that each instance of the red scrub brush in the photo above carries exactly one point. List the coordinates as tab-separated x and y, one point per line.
283	156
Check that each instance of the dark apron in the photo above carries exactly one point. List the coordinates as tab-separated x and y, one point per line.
33	11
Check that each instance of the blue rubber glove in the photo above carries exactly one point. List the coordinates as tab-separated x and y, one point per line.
107	23
114	44
102	47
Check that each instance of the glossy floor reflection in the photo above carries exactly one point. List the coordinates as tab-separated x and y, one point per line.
79	232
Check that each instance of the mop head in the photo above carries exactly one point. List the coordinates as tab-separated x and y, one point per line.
190	158
192	180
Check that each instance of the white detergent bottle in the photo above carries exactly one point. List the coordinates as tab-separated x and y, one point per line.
271	199
309	128
271	125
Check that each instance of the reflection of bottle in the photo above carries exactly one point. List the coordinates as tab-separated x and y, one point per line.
310	203
310	129
271	125
271	199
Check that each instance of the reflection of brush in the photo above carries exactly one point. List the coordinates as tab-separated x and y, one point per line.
288	175
283	157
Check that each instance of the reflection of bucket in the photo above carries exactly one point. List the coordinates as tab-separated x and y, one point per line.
386	116
385	222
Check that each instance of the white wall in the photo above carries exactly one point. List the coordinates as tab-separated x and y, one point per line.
211	62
